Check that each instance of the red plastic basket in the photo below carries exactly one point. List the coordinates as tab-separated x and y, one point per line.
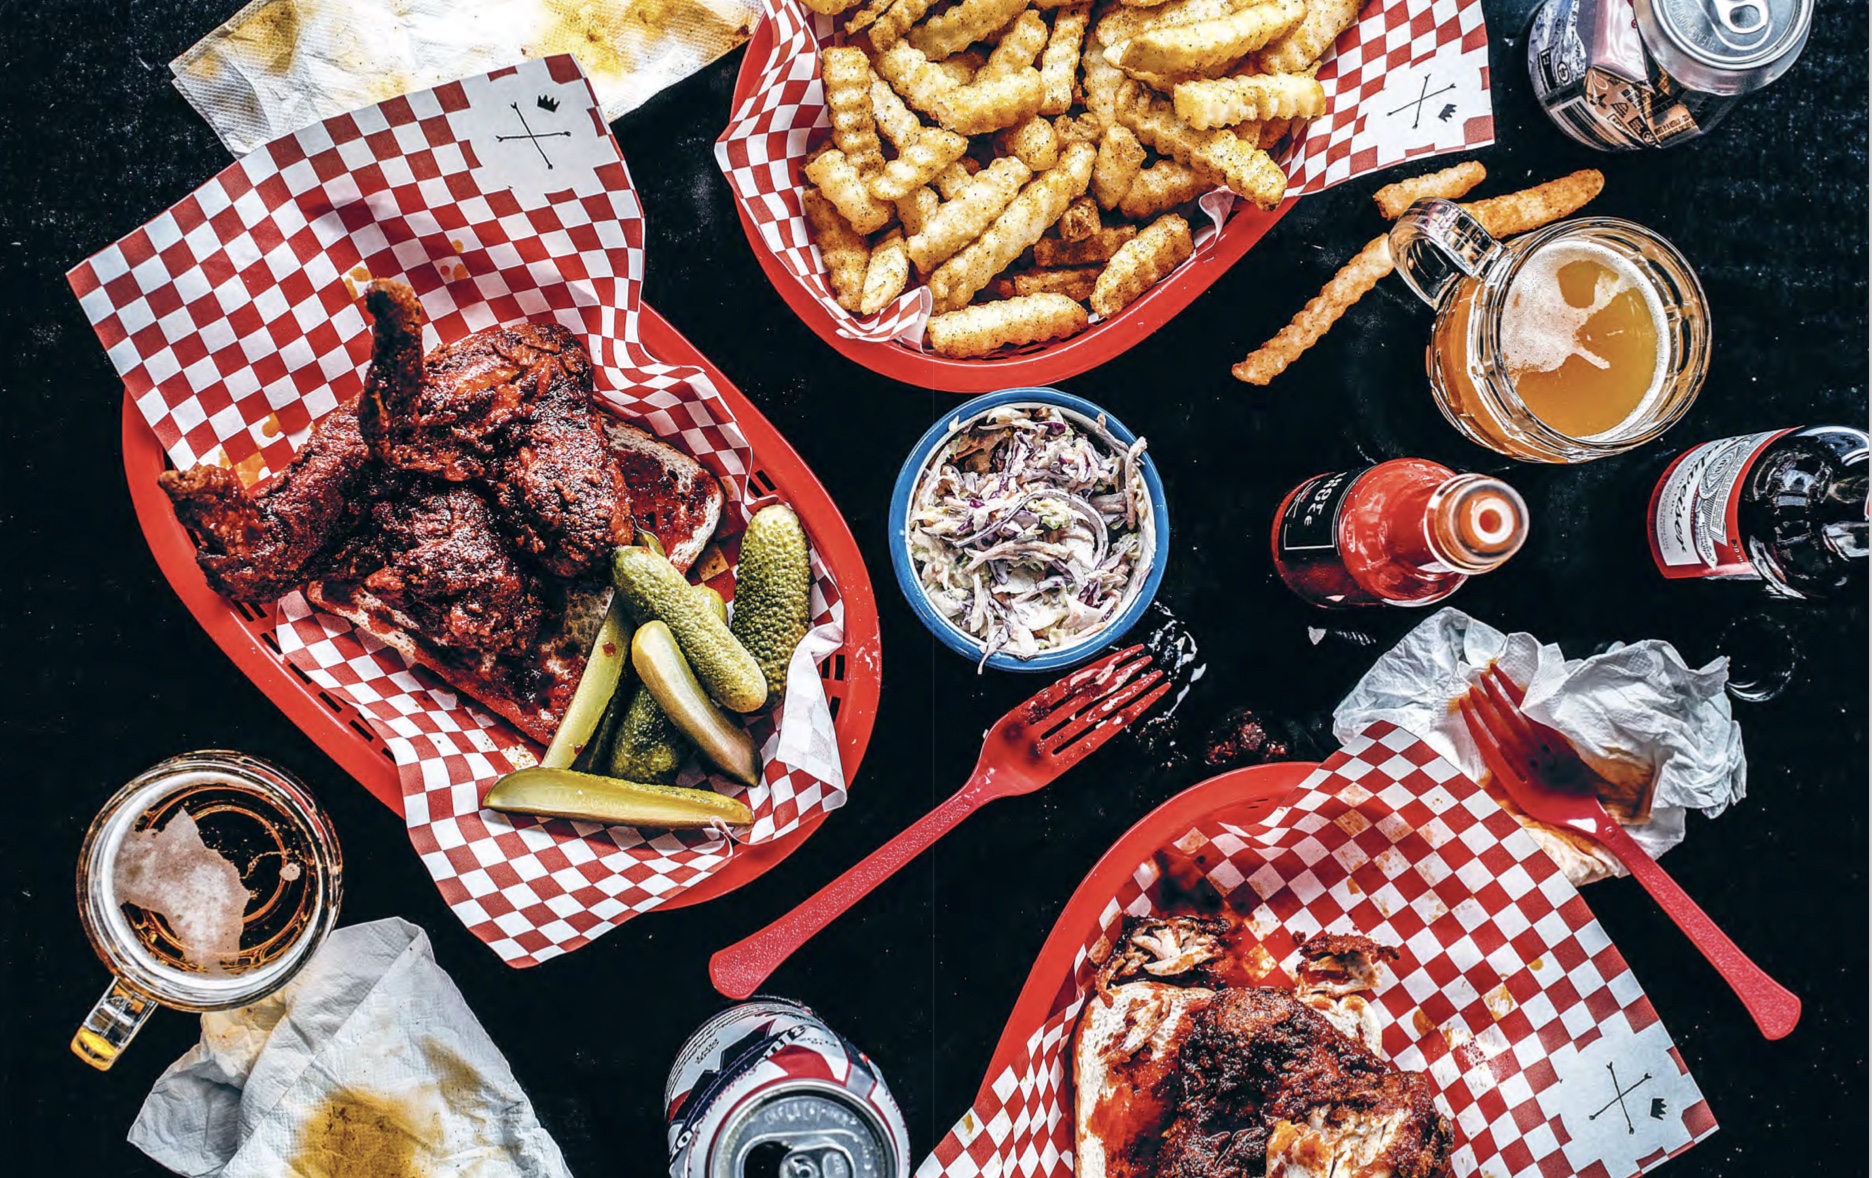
1038	365
245	631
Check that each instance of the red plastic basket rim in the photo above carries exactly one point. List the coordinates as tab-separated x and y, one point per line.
1054	362
832	537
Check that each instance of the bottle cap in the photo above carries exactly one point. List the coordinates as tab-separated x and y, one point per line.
1476	523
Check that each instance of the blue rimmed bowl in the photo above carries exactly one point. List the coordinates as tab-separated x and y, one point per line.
1139	595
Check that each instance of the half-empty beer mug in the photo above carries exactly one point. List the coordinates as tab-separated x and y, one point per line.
204	884
1579	340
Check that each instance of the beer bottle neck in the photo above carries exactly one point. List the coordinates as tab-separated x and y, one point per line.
1471	524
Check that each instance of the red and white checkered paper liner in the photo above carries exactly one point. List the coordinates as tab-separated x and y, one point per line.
234	320
1410	79
1506	991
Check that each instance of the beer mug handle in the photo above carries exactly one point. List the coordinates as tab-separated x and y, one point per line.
1435	243
110	1026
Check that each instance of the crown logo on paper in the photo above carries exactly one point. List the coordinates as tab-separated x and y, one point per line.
546	102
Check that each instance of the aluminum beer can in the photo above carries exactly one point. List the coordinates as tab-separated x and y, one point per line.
1621	75
767	1090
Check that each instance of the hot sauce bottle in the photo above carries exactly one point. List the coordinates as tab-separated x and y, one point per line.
1405	532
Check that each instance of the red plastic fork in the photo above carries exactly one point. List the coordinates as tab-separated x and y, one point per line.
1026	749
1547	779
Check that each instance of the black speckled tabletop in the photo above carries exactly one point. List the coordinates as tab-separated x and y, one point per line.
108	673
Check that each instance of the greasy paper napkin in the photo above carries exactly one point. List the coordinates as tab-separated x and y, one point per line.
234	320
1541	1046
1409	80
1635	714
279	65
367	1062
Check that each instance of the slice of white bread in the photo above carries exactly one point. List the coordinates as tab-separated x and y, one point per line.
673	497
1123	1050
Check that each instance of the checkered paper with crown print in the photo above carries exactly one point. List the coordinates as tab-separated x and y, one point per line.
1506	991
1409	79
233	319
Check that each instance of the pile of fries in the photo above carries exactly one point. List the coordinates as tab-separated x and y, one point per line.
1044	156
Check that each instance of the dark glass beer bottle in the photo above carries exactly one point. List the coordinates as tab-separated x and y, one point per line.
1404	532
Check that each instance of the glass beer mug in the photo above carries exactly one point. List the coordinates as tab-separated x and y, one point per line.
204	884
1586	338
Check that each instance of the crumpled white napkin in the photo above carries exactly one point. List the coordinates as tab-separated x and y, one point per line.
368	1062
1633	713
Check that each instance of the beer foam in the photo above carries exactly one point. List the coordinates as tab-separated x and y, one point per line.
195	888
1540	330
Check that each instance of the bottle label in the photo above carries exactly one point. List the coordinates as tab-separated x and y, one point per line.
1310	522
1694	529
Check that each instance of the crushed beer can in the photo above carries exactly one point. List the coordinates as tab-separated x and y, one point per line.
1622	75
766	1089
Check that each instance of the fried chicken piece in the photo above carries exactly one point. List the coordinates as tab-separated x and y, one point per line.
258	543
1269	1087
508	408
1341	963
1165	949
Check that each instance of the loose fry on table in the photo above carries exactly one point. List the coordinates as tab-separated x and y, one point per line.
847	78
1018	47
1141	263
913	76
1050	252
1120	155
1208	44
1033	142
969	214
1452	183
915	210
1308	41
1061	59
956	29
1080	128
1502	216
845	188
893	24
885	274
1162	187
978	331
934	150
1019	226
1075	282
841	248
983	106
892	117
1204	103
1081	218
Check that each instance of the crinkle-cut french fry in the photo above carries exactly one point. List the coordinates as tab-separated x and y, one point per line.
1120	155
1452	183
915	210
984	106
885	274
957	28
934	150
847	78
1154	122
830	7
1207	44
1204	103
962	67
1162	187
1248	171
969	214
845	188
1081	218
1083	127
896	21
913	76
1060	62
1050	252
1308	40
841	248
981	330
1122	24
1075	282
951	180
1034	142
1141	263
1100	83
1018	47
1272	132
1543	204
865	17
1020	225
1164	84
892	117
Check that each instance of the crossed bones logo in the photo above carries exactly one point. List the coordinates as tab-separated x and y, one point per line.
545	103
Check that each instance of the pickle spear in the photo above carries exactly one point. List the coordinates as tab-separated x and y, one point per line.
561	793
659	662
644	745
654	590
595	689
